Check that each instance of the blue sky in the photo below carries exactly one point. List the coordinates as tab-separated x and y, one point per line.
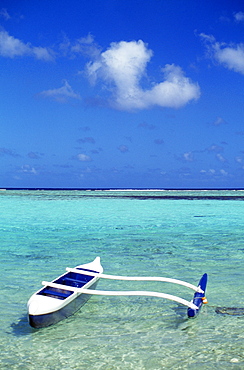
122	94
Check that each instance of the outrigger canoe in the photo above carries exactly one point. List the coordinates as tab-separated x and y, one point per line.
65	295
62	297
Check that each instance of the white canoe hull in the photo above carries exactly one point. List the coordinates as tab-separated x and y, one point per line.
50	305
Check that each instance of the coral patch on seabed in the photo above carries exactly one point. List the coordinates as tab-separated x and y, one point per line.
234	311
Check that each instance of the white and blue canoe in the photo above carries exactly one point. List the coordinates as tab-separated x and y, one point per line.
65	295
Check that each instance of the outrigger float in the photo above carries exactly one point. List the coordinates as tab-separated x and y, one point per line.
65	295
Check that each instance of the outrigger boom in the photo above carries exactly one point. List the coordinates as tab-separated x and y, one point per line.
171	297
64	295
123	293
140	278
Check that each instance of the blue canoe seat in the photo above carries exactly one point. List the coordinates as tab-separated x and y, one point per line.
74	282
56	293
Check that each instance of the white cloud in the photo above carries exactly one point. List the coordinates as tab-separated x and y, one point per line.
215	148
239	17
188	156
82	46
4	14
209	172
84	140
28	169
84	158
10	152
61	94
231	56
219	121
11	47
85	46
121	68
239	159
213	173
123	148
223	172
42	53
221	158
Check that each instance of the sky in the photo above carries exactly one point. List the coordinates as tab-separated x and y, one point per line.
122	94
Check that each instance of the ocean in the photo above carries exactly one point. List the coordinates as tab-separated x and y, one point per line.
176	234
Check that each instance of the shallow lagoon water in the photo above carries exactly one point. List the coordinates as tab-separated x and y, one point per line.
176	234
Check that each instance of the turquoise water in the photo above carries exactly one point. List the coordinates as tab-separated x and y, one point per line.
174	234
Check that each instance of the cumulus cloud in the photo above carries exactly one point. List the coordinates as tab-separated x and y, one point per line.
84	158
4	14
221	158
11	47
223	172
219	121
82	46
239	159
230	56
61	94
34	155
239	17
215	148
123	148
89	140
213	173
188	156
10	152
28	169
121	68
